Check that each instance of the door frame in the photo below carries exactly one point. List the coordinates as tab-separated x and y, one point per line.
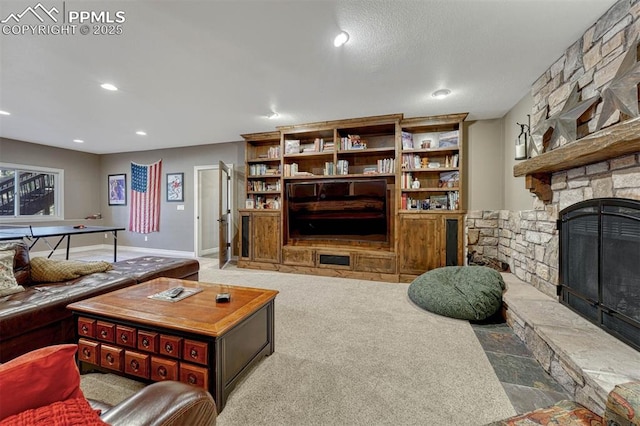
196	205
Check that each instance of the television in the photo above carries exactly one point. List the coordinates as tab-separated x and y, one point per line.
334	210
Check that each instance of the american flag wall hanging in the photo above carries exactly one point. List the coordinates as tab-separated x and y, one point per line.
144	216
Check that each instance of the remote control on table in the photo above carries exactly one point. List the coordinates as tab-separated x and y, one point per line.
174	292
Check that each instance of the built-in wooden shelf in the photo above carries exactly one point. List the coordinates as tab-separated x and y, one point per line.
615	141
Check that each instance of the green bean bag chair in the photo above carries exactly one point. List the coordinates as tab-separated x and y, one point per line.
463	292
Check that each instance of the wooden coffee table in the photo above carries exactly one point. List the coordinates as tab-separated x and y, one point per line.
194	340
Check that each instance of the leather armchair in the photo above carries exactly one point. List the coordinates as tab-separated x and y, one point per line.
165	403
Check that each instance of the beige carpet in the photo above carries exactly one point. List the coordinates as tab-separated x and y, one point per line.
352	352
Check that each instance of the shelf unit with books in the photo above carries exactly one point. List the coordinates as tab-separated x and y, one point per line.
263	158
431	159
420	159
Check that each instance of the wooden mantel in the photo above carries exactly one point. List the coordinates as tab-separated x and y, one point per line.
615	141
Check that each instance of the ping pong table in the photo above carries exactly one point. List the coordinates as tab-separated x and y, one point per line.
34	233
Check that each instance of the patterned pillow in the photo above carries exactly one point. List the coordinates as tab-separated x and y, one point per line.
71	412
51	271
8	283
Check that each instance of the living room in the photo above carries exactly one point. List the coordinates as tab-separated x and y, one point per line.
505	221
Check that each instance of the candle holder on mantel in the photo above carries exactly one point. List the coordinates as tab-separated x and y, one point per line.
523	140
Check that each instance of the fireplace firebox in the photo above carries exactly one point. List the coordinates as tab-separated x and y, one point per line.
600	264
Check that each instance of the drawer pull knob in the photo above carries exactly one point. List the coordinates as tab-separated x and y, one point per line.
85	329
109	358
104	333
162	371
135	365
145	342
86	352
192	379
168	347
194	353
123	337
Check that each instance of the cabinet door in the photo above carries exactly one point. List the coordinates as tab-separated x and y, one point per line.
419	243
265	237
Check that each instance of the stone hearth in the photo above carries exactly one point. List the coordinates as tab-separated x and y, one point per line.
587	361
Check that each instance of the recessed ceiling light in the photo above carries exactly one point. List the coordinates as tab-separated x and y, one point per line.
441	94
5	113
78	141
341	39
109	86
141	133
273	115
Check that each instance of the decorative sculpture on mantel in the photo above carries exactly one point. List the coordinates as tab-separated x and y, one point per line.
564	122
622	91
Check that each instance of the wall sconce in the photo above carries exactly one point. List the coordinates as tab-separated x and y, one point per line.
523	140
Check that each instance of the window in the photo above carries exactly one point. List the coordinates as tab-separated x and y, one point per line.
30	191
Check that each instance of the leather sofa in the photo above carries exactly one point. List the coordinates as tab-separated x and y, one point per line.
163	403
38	317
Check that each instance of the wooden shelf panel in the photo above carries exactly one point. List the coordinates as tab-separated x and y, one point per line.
263	176
615	141
434	211
455	188
367	151
340	176
427	170
310	154
264	160
264	192
431	150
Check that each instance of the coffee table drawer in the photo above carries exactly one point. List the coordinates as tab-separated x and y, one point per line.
163	369
137	364
170	346
148	341
89	351
195	351
86	327
126	336
194	375
106	331
112	357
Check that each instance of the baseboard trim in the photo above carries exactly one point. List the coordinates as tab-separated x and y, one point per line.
146	250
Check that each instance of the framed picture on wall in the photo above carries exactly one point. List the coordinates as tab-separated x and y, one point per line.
117	190
175	186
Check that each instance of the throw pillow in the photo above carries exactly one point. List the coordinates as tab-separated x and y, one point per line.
72	412
8	283
39	378
50	271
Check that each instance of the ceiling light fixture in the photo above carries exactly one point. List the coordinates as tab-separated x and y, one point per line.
273	115
109	86
5	113
341	39
141	133
78	141
441	94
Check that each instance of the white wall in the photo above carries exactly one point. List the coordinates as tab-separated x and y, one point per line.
516	197
484	154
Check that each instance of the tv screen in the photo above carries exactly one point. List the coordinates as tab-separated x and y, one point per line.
338	210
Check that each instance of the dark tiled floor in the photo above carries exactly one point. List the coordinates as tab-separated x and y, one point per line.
526	384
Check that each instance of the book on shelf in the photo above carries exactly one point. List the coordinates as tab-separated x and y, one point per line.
292	146
438	202
342	167
352	142
274	152
449	179
407	140
449	139
407	180
329	169
290	169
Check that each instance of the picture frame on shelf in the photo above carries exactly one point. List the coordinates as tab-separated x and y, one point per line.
117	184
175	187
249	203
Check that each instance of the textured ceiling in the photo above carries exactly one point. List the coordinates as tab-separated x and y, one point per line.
200	72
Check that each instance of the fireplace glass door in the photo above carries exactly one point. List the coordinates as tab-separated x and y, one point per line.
600	264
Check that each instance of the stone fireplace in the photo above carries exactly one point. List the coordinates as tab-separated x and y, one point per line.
600	264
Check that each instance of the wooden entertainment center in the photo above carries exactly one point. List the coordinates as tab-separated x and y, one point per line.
378	198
